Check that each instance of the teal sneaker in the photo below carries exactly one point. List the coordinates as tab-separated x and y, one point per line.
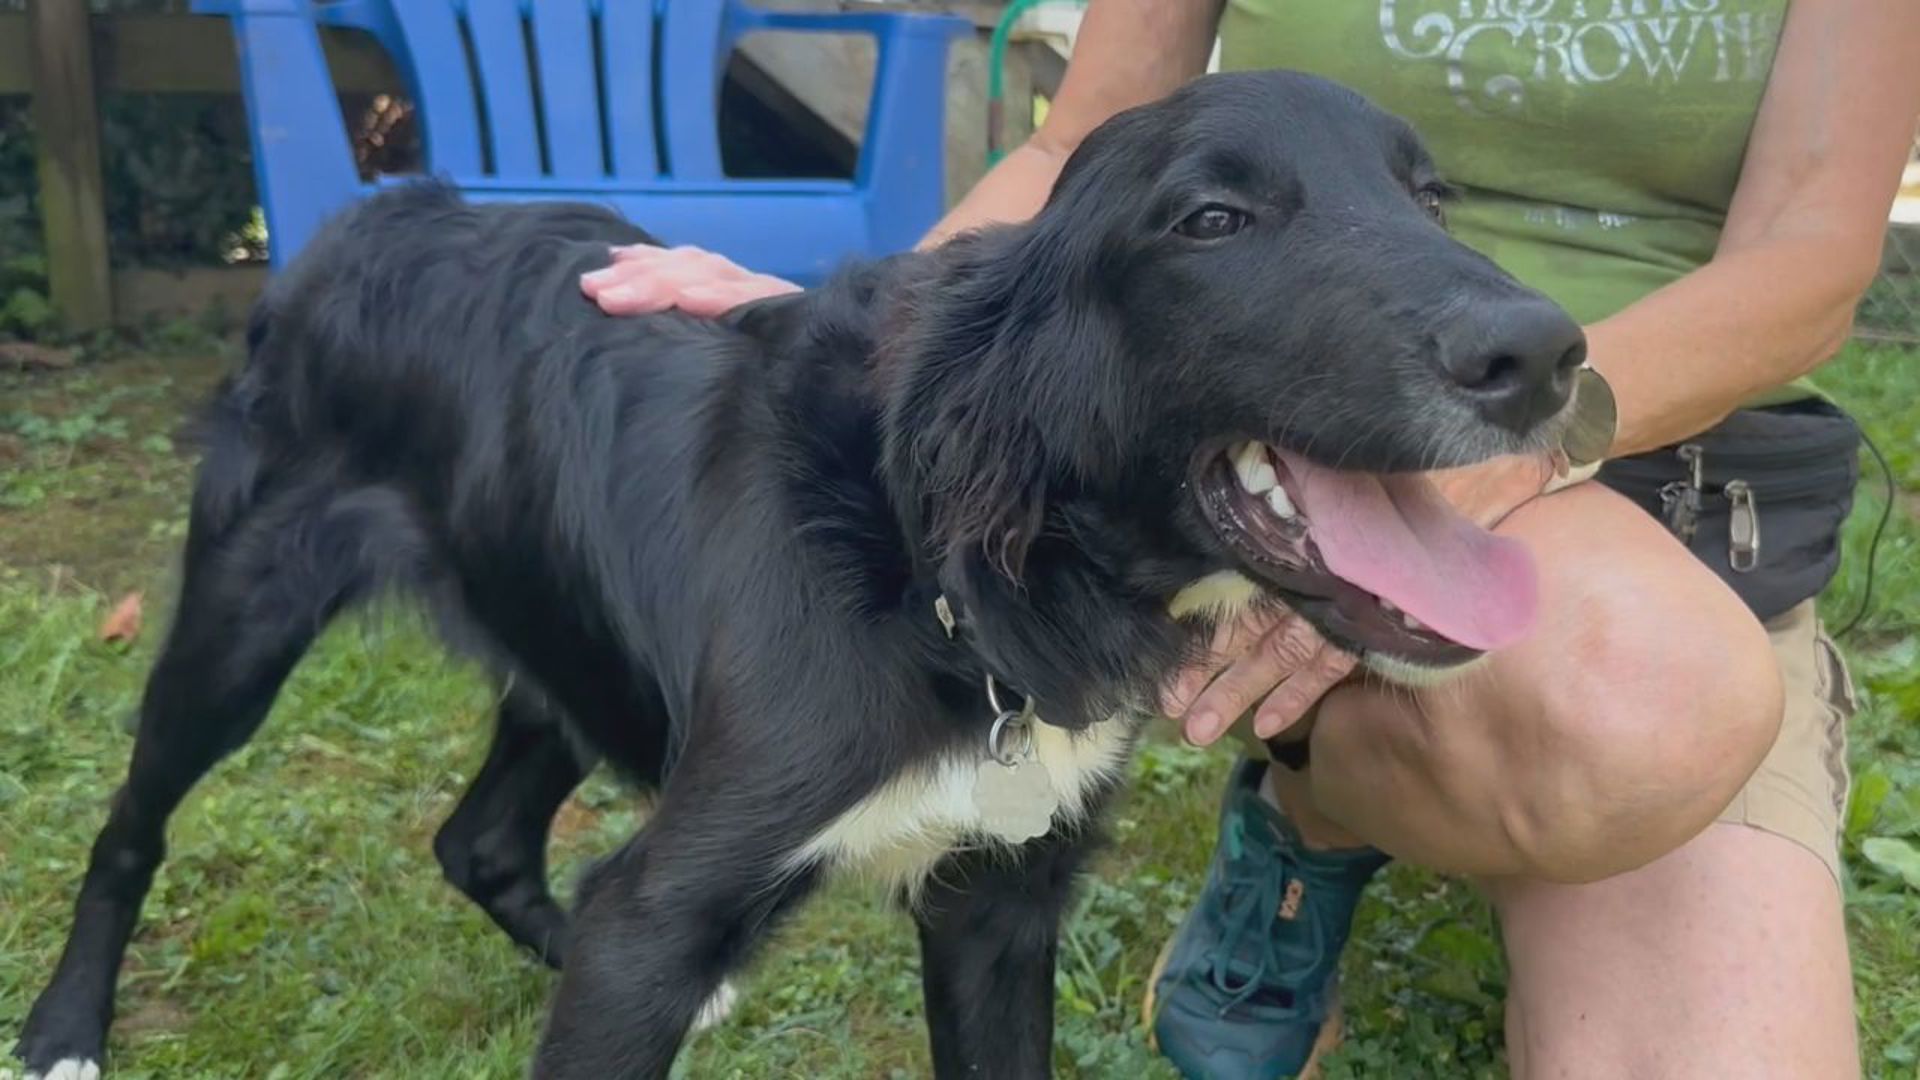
1247	987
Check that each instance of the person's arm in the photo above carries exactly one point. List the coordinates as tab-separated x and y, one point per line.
1803	236
1801	244
1128	52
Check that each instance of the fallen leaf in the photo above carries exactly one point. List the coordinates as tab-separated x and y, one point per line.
27	356
123	622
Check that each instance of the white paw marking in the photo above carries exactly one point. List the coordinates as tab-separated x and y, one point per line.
69	1069
717	1008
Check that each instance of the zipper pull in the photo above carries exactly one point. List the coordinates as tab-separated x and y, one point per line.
1681	498
1743	531
1696	458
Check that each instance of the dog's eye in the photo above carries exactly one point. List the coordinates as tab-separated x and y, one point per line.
1433	200
1212	222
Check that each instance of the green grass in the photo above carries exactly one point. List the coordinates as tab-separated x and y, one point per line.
300	928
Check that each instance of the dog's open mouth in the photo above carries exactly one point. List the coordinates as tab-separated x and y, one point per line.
1381	561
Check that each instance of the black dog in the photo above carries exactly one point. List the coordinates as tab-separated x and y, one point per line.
881	575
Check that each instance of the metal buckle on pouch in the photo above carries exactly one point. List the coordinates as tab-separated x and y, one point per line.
1743	531
1680	500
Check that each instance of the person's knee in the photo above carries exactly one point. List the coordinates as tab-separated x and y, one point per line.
1669	709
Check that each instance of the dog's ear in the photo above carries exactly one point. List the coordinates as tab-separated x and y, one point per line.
995	372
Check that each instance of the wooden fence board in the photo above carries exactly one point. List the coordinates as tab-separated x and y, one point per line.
183	54
67	145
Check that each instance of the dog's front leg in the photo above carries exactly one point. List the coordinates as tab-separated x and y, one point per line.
658	927
989	924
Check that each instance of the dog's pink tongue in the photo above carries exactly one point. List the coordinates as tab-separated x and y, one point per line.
1396	537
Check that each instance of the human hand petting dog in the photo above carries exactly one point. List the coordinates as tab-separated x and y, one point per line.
644	279
1282	663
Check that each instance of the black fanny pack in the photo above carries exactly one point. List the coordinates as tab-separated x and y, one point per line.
1760	497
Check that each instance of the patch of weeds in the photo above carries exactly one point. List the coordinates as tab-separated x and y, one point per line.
64	432
25	312
21	491
202	333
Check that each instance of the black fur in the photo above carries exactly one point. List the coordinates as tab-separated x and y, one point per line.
708	551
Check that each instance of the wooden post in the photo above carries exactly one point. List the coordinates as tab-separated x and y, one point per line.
66	124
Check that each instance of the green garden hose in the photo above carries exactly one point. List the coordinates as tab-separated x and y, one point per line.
996	69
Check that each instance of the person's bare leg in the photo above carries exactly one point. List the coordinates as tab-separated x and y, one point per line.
1561	757
1727	957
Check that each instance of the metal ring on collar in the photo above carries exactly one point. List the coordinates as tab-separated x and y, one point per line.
1009	724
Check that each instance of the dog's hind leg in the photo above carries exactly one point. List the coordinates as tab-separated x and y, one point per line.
493	846
989	926
255	592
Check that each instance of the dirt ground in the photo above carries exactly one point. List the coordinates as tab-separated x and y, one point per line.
94	464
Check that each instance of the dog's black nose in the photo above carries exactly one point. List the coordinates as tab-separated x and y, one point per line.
1515	359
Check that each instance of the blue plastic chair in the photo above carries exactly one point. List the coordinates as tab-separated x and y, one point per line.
619	105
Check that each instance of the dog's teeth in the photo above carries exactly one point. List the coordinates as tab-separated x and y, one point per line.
1278	502
1261	478
1411	623
1255	471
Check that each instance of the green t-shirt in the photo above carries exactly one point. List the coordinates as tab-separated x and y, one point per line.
1597	142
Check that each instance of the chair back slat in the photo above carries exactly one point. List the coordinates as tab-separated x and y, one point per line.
627	36
691	62
570	101
449	115
497	36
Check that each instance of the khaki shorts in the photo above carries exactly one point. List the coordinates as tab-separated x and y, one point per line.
1800	790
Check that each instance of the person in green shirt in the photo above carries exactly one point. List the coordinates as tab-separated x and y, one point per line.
1648	787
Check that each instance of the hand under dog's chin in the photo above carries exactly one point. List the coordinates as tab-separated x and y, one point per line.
1230	593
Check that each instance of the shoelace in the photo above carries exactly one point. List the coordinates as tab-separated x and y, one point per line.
1255	879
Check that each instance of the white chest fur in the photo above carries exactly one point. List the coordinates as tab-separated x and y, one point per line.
898	833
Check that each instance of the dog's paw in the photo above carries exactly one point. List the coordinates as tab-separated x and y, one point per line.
717	1008
59	1043
66	1069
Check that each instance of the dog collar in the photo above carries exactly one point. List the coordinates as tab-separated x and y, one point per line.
1013	791
1010	739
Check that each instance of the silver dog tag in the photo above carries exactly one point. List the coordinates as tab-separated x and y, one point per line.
1015	802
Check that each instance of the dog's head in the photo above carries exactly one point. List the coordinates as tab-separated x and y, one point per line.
1232	337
